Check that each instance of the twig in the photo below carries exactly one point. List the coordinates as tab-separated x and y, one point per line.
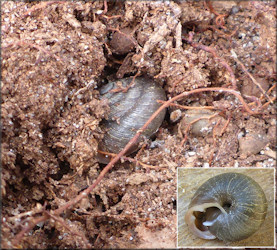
220	17
63	223
186	132
38	209
220	20
221	33
111	17
234	55
40	5
225	125
124	90
271	153
213	52
29	227
32	45
141	150
211	8
105	10
88	86
187	107
105	7
18	216
267	103
125	158
270	89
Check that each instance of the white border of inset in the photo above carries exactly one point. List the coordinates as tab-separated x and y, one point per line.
228	247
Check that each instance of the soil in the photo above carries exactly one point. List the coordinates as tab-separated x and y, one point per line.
56	55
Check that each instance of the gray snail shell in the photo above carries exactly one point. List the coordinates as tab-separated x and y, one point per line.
229	206
129	111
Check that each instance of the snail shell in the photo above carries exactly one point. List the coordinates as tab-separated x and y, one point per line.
129	111
229	206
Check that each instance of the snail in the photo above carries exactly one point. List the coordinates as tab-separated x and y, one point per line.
128	113
229	206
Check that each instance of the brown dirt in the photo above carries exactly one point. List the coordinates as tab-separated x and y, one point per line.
55	55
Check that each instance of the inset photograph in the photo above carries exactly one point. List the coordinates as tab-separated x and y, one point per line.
226	207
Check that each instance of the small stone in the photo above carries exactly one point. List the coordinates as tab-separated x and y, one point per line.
122	42
175	115
201	126
252	143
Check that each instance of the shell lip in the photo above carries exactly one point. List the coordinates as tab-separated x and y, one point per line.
190	219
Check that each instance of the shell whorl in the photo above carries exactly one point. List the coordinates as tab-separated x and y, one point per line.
129	111
229	206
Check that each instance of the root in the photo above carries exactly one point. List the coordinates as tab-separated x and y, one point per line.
213	52
250	76
32	45
39	6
